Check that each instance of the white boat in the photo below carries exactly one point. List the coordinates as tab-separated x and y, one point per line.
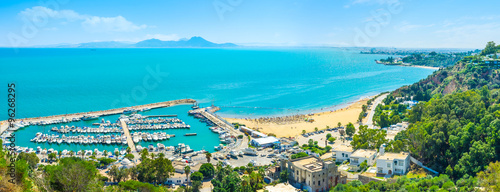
234	154
151	147
108	140
219	147
160	146
124	140
155	137
129	110
249	151
139	148
89	117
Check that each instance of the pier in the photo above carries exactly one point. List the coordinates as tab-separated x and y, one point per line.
150	116
130	142
4	124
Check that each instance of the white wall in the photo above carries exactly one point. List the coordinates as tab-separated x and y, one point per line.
339	157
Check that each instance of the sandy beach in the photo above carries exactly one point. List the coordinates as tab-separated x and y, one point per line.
321	120
421	66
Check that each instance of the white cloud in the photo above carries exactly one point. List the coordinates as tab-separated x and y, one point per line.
90	23
107	24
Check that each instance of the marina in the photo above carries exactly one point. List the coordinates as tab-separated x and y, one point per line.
110	134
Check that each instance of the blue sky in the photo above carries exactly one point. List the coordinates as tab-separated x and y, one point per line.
362	23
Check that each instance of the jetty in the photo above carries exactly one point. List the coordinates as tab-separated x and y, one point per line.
127	134
150	116
4	124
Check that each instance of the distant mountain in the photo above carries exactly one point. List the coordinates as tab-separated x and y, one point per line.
106	44
193	42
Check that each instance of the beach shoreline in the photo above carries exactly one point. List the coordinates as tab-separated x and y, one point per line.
421	66
344	115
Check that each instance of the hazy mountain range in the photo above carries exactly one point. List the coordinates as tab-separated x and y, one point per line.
193	42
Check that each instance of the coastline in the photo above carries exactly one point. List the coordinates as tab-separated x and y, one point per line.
321	120
403	65
421	66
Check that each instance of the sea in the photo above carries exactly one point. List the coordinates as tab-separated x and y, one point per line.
243	82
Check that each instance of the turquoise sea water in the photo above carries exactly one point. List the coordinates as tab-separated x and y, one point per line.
249	82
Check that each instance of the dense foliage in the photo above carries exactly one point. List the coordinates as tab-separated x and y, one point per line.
226	179
461	77
442	183
457	134
315	148
72	174
153	170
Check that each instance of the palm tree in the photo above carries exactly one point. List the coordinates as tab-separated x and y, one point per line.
83	152
59	153
187	170
316	129
105	153
71	153
116	154
52	156
303	132
339	124
208	155
129	150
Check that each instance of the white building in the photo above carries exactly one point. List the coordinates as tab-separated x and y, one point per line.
265	142
392	163
361	155
287	143
342	153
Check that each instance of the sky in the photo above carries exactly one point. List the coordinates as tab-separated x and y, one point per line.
345	23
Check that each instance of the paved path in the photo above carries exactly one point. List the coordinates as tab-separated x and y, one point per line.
378	100
127	134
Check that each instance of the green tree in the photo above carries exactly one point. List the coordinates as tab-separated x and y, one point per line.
208	155
30	158
208	170
331	139
489	179
72	174
197	176
226	179
350	130
328	135
129	156
303	132
368	138
299	155
52	156
129	150
187	171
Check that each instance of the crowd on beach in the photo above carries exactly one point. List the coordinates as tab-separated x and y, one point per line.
281	120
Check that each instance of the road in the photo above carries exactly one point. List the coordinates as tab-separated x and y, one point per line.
369	119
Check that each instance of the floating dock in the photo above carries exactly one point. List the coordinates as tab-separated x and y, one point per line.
190	134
